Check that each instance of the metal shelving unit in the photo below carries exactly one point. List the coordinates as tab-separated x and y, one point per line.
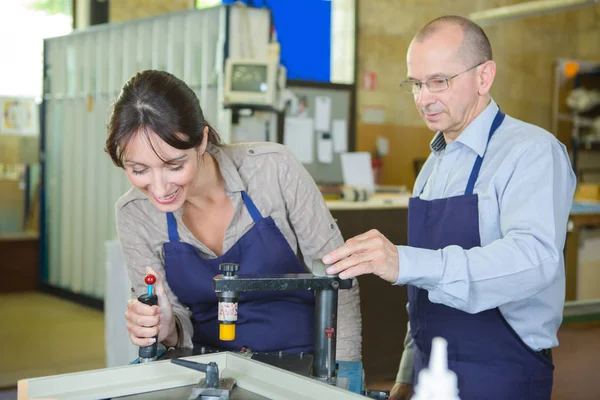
571	127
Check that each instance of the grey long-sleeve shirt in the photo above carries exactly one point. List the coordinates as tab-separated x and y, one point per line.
281	188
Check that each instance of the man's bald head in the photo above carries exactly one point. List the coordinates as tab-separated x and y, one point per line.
475	46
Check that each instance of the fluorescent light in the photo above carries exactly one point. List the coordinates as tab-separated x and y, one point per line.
528	9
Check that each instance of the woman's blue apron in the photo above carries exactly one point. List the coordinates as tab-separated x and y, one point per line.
267	321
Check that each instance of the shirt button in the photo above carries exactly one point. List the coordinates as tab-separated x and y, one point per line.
251	151
330	226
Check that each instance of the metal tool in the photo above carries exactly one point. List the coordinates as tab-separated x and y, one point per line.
377	394
210	387
149	353
229	285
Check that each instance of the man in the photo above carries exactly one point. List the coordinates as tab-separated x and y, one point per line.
486	230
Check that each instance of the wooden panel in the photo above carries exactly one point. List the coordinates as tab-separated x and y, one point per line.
406	143
19	263
383	306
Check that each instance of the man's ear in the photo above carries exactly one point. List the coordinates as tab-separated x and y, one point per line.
487	73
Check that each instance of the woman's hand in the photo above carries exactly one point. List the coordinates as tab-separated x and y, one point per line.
144	322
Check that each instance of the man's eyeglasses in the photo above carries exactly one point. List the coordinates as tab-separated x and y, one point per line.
433	85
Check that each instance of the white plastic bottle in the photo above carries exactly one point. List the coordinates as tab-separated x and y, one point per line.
437	382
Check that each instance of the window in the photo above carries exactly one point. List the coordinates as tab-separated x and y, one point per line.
23	26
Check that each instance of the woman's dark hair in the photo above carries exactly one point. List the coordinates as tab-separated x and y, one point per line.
156	102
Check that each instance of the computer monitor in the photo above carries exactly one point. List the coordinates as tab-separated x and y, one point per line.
253	82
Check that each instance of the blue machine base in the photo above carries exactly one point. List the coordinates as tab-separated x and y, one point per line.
353	371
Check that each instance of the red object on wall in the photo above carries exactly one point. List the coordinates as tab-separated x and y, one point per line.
369	81
377	165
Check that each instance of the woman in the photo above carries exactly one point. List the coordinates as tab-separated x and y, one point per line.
197	203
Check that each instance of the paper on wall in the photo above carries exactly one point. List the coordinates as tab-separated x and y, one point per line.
357	170
323	114
325	148
299	137
340	136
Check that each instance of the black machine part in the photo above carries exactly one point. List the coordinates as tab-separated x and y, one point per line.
257	283
300	364
211	370
229	285
210	387
148	353
223	392
378	394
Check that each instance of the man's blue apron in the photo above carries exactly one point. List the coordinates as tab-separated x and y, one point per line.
267	321
489	358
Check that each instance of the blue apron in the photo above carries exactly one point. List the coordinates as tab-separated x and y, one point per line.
267	321
490	359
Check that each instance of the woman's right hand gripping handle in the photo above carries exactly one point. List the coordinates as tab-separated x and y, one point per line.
145	322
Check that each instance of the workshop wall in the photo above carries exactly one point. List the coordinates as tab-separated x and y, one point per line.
125	10
524	51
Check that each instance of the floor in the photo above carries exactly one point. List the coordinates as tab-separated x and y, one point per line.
577	361
43	335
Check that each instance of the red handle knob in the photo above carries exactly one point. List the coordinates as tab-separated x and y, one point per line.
150	279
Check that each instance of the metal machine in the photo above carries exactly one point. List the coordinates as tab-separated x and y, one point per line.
229	285
254	83
322	365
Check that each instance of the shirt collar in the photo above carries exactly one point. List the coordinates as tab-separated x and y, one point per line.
475	135
229	171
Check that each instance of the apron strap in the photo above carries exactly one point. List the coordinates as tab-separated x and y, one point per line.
477	166
172	227
254	213
474	175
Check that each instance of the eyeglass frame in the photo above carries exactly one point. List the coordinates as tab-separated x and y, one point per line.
414	81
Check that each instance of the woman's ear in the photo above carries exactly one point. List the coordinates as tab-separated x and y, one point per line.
204	143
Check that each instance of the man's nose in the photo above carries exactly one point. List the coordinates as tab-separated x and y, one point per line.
424	97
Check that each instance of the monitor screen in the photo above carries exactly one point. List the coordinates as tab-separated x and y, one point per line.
249	78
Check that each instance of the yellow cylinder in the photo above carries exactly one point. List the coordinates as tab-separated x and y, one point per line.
227	332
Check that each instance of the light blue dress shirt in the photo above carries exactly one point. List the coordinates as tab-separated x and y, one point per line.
525	190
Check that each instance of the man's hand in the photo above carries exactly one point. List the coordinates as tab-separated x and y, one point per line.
401	391
369	253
